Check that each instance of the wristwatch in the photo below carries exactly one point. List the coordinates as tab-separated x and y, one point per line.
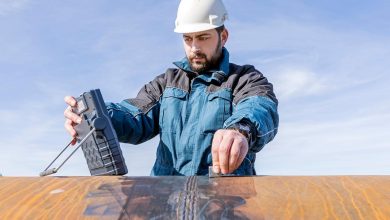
245	129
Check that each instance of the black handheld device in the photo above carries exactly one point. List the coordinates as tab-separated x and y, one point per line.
101	149
96	137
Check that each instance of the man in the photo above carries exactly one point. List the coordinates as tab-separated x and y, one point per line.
207	111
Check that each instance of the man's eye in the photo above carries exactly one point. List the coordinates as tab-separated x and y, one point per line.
203	38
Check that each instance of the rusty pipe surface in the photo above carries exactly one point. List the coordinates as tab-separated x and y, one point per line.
196	197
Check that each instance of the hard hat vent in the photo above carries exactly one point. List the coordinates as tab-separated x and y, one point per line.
213	19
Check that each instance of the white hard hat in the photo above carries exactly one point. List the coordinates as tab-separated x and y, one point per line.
199	15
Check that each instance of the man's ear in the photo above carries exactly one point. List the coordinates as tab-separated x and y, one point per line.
224	36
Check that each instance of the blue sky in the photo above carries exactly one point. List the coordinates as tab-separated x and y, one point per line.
328	61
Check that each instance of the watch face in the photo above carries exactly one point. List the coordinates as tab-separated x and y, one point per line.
245	128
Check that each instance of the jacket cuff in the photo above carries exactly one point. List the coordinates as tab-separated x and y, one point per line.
247	128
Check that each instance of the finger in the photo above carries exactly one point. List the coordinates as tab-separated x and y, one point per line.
238	152
234	156
215	150
70	101
243	152
224	151
71	115
240	159
69	126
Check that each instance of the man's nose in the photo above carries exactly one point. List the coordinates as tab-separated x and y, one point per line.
195	47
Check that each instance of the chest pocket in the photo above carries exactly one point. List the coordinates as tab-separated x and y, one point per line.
218	109
172	102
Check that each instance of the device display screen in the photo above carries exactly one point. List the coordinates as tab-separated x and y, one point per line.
81	106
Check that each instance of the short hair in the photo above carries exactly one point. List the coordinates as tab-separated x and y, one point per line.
220	29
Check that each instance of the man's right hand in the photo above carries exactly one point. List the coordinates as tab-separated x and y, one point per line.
71	119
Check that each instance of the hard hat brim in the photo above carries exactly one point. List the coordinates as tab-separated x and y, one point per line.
191	28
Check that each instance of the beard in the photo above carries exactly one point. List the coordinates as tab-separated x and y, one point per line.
206	64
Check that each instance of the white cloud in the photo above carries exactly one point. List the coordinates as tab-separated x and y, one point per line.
306	59
294	82
356	145
10	6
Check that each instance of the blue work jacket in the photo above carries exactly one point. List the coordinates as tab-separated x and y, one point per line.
186	108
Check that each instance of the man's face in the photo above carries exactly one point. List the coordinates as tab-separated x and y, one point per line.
203	49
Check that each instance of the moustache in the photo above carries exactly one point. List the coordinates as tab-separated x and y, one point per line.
197	55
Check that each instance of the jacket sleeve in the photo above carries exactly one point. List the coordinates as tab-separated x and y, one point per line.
137	120
254	101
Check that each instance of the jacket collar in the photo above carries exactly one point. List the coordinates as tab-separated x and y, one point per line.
218	74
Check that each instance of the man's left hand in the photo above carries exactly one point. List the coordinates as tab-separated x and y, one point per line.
228	150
